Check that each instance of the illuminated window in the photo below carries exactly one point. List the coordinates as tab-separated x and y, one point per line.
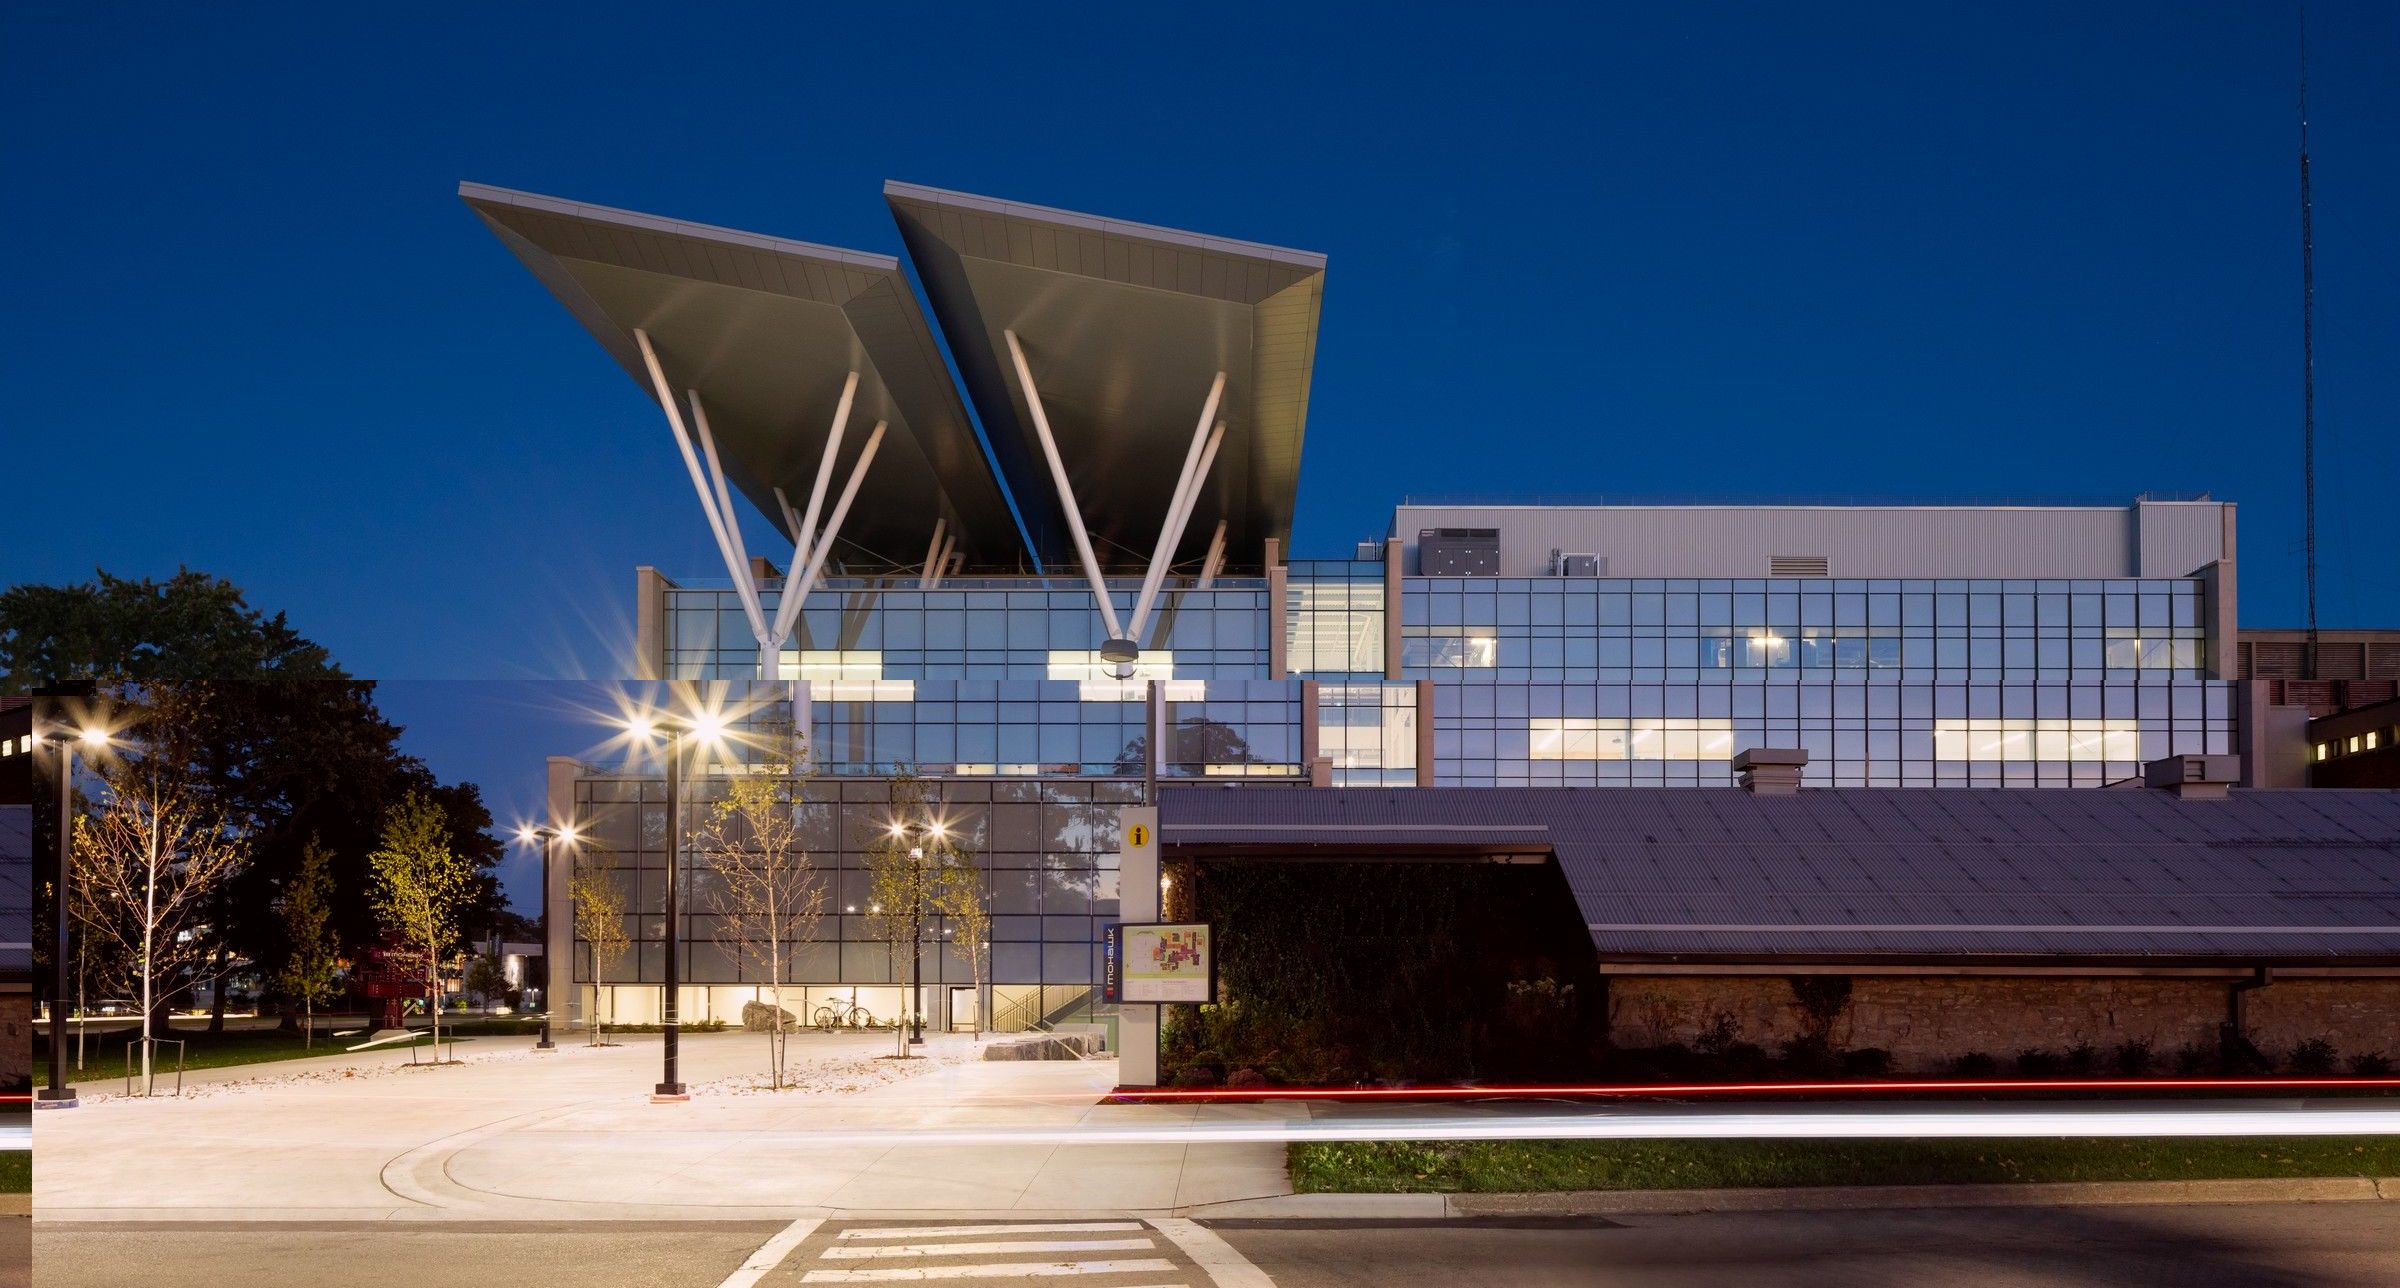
2152	654
1456	646
2354	741
1334	626
2370	740
2036	740
2323	750
1098	681
1369	732
845	675
1639	738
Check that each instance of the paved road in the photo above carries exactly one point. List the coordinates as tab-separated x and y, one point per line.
2220	1246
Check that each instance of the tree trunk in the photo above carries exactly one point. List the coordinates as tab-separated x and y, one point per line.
216	1006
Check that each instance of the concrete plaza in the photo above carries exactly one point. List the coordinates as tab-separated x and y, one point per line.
509	1134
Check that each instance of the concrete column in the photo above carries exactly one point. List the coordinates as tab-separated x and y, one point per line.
1137	901
1391	608
1277	643
561	995
649	634
1424	733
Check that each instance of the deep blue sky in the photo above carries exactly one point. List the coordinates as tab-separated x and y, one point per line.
1747	250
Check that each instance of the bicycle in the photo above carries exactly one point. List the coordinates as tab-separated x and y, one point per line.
843	1013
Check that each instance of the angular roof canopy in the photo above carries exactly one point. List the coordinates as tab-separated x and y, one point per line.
1911	874
766	331
1124	327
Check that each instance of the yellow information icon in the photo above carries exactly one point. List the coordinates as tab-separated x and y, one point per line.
1137	836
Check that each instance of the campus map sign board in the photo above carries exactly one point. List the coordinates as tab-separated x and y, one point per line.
1151	962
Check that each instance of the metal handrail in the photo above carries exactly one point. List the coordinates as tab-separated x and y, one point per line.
150	1084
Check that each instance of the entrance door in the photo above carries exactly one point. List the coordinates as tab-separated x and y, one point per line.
962	1008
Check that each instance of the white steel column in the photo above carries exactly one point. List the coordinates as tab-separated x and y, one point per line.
1216	557
795	591
717	522
940	563
1066	491
933	554
816	494
1187	483
791	517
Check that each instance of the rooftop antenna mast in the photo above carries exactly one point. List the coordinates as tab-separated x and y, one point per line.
2308	359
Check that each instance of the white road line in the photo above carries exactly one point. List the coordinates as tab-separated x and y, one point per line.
981	1249
952	1231
771	1253
997	1270
1230	1269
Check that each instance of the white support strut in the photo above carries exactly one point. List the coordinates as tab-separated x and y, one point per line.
941	562
791	517
716	480
1066	491
933	553
1170	529
816	494
1216	557
795	591
708	502
1181	516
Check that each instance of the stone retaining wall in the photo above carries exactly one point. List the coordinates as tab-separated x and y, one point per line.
1928	1021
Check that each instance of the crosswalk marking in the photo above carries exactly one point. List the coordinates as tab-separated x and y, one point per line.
1225	1266
957	1231
984	1249
995	1270
771	1253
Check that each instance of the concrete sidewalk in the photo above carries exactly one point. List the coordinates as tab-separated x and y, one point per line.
571	1135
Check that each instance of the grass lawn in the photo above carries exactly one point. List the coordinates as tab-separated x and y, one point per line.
104	1054
1396	1167
16	1171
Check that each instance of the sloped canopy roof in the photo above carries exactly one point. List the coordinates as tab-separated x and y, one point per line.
1905	874
767	330
1124	326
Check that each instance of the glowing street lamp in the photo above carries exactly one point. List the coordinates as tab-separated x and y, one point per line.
710	728
916	834
532	834
63	740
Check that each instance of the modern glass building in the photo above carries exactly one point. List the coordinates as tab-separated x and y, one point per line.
1047	607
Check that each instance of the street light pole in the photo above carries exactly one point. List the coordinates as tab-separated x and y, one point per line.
545	837
916	952
58	1095
670	1086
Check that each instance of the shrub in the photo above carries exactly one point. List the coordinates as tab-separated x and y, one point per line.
2081	1060
1194	1075
2372	1064
2133	1058
1867	1062
2313	1056
1722	1034
1739	1062
1245	1078
2193	1057
1809	1057
2035	1063
1975	1064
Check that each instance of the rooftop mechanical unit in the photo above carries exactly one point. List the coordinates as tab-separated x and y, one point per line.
1458	552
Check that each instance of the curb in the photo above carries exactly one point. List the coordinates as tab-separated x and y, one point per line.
1301	1207
12	1205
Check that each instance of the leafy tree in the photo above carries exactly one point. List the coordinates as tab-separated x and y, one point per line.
117	631
146	865
765	886
312	966
600	923
421	886
901	879
487	978
280	742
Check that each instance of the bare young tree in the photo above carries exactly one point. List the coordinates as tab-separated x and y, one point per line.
600	923
147	866
901	867
959	896
421	884
766	885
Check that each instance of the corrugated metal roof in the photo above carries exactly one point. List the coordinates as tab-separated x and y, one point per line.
2292	876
